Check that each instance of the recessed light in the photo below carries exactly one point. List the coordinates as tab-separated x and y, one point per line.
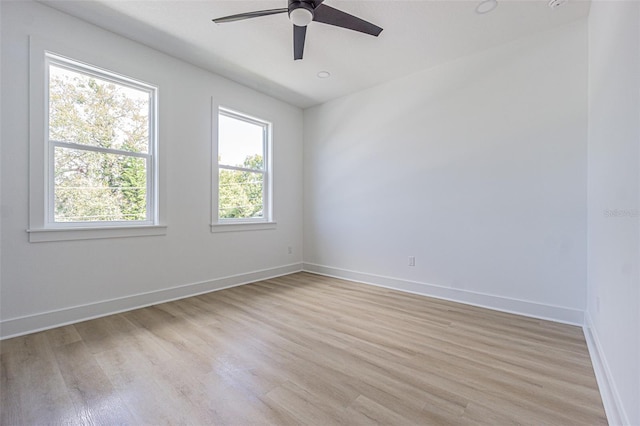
323	74
486	6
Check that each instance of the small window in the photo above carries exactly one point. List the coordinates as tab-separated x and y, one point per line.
244	194
100	131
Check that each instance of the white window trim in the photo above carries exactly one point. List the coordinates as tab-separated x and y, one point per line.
245	224
92	233
41	226
242	226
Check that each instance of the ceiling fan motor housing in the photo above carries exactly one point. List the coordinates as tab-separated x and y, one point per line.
301	12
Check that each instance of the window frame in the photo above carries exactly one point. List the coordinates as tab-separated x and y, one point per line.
242	224
42	225
52	59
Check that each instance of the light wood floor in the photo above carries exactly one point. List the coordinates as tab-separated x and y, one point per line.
302	349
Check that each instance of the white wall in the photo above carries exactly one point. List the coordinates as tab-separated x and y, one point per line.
477	168
613	309
44	284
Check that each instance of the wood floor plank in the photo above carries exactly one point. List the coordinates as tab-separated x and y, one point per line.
93	396
302	349
32	387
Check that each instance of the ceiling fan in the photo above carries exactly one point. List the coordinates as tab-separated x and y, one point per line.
302	13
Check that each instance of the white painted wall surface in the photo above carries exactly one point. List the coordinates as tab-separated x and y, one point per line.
47	283
477	168
613	308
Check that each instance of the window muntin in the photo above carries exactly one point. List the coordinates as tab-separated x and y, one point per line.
101	163
243	168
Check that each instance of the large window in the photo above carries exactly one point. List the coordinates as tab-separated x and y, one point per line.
101	147
93	146
244	194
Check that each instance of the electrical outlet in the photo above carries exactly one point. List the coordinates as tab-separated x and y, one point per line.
412	261
290	250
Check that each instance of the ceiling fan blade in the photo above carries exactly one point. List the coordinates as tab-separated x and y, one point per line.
328	15
249	15
299	34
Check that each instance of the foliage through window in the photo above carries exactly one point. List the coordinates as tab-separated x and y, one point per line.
101	130
243	189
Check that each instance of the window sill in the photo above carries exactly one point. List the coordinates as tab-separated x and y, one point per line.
70	234
242	226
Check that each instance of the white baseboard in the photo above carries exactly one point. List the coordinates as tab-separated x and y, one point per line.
498	303
19	326
614	409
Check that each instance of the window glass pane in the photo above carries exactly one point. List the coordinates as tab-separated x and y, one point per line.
240	195
90	111
94	186
240	143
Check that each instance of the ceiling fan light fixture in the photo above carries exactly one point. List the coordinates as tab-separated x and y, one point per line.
486	6
301	16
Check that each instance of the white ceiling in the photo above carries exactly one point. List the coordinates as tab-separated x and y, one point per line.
258	53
